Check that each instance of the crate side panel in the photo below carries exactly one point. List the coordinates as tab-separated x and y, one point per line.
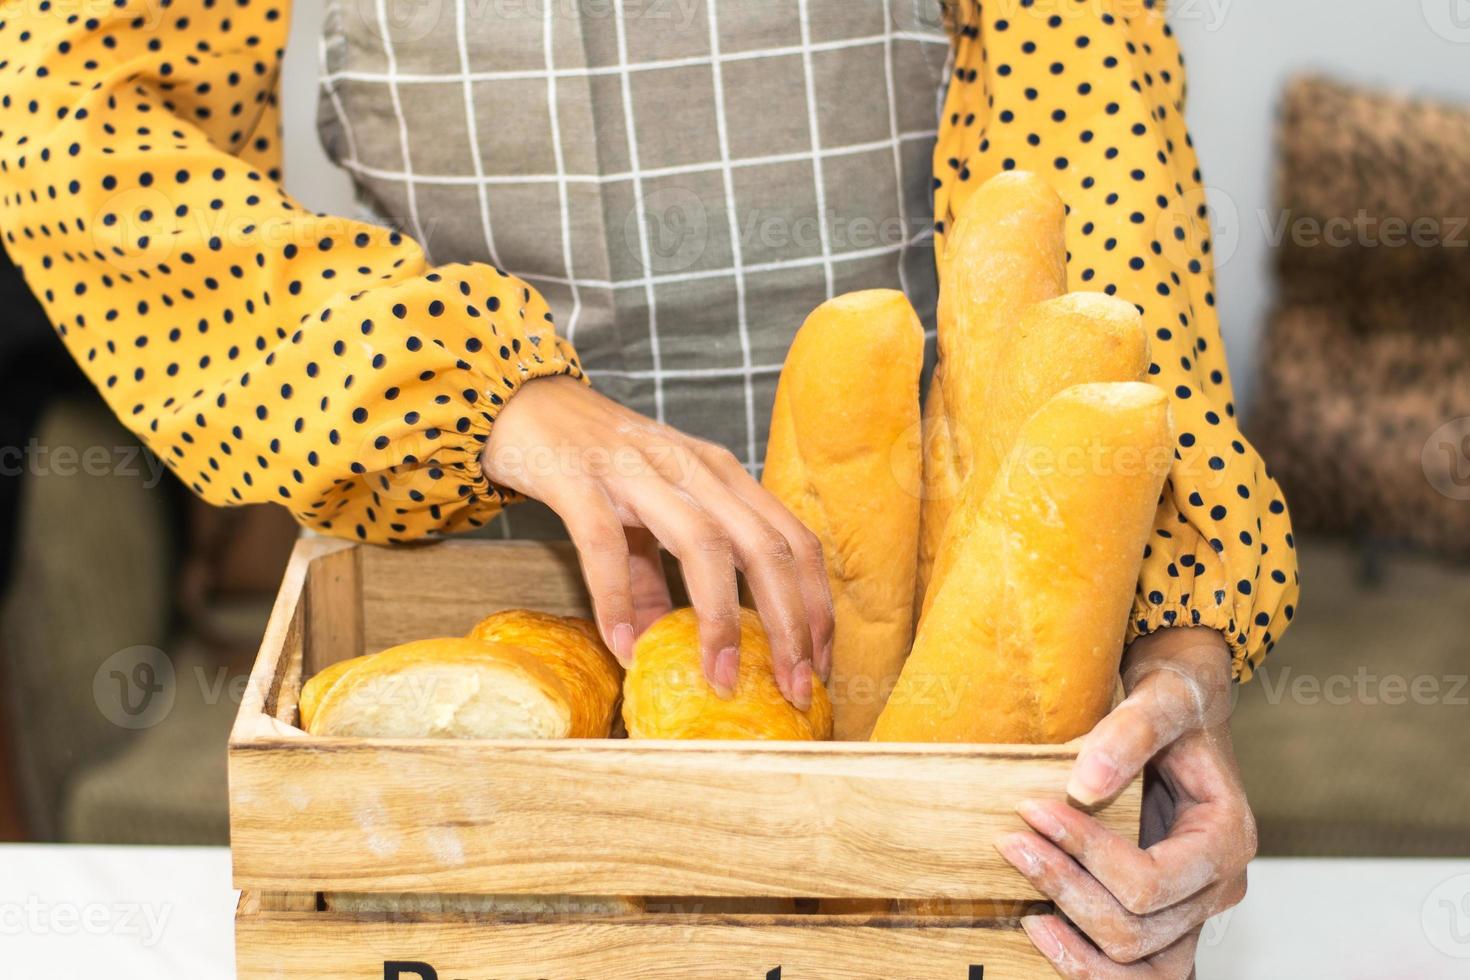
443	589
601	818
330	947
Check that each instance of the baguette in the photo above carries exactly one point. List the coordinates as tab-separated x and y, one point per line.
844	457
1072	339
665	694
1009	339
1006	252
1024	635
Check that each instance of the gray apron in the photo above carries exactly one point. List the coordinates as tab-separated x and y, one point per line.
683	180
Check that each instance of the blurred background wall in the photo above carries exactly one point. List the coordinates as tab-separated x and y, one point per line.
1239	54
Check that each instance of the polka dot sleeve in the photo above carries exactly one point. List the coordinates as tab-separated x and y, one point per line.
1091	95
264	352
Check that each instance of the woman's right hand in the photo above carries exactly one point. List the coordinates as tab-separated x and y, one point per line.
624	484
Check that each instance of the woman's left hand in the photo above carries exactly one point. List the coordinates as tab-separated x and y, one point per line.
1143	908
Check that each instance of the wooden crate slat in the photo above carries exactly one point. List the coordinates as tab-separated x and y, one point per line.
618	817
443	589
331	946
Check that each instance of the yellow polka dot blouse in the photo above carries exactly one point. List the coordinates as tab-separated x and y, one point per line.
1090	94
267	353
264	352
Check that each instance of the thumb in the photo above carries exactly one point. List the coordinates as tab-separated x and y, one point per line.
1151	718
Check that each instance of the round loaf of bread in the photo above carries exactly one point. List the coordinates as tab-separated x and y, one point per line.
666	695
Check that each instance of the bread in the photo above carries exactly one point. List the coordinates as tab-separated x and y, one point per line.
665	694
444	688
520	674
500	906
1008	340
844	458
574	651
1006	252
1023	637
928	907
1071	339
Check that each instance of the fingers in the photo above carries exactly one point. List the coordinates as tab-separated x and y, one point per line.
707	558
806	548
649	586
770	565
1121	935
769	561
602	546
1206	845
1154	715
1077	959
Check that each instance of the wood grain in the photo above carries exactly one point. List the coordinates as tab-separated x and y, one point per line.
333	946
333	610
613	817
827	820
443	589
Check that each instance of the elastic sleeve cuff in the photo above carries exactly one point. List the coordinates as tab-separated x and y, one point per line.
415	463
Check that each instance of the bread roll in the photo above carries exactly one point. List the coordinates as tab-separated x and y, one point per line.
1023	638
574	651
843	456
665	694
520	674
445	688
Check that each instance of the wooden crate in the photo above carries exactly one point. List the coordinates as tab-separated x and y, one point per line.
725	822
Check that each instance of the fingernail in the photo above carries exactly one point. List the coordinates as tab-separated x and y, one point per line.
1041	820
1092	779
622	643
1040	931
801	685
727	672
1016	849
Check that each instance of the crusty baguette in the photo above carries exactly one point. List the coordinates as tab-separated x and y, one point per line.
844	458
574	651
1007	251
1025	632
665	694
1071	339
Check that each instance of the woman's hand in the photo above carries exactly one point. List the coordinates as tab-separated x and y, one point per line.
1143	908
624	484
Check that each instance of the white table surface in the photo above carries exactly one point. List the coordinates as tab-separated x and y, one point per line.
166	912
